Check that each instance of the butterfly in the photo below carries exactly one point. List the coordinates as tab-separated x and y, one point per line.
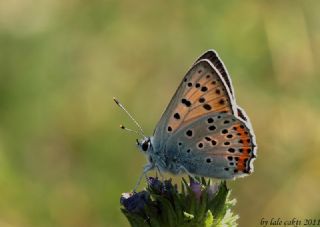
202	132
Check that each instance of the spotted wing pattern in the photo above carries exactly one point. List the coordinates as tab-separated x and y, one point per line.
215	145
214	58
202	91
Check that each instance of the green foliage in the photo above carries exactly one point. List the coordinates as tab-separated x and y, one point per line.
167	206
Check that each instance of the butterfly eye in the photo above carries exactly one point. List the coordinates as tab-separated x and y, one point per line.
145	146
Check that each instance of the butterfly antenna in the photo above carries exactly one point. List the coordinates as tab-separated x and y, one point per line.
137	124
131	130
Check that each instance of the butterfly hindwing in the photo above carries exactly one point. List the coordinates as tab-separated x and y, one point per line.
216	145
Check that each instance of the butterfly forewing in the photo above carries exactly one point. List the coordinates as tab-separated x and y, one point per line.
202	91
214	58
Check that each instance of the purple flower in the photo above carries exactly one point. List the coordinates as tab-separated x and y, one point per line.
168	187
155	185
212	190
196	188
135	202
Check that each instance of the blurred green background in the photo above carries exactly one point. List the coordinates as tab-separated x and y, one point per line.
63	159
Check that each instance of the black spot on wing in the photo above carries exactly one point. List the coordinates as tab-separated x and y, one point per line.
186	102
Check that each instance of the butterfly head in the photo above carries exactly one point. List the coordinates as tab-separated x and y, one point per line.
144	144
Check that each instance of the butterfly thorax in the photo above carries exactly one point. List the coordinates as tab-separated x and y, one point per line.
157	155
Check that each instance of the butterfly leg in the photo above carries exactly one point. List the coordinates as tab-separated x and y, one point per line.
146	169
158	170
194	178
183	169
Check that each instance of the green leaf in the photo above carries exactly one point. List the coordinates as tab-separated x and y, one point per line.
209	219
154	222
168	213
229	219
201	211
183	188
203	181
177	206
135	220
185	183
152	213
188	216
217	205
191	202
